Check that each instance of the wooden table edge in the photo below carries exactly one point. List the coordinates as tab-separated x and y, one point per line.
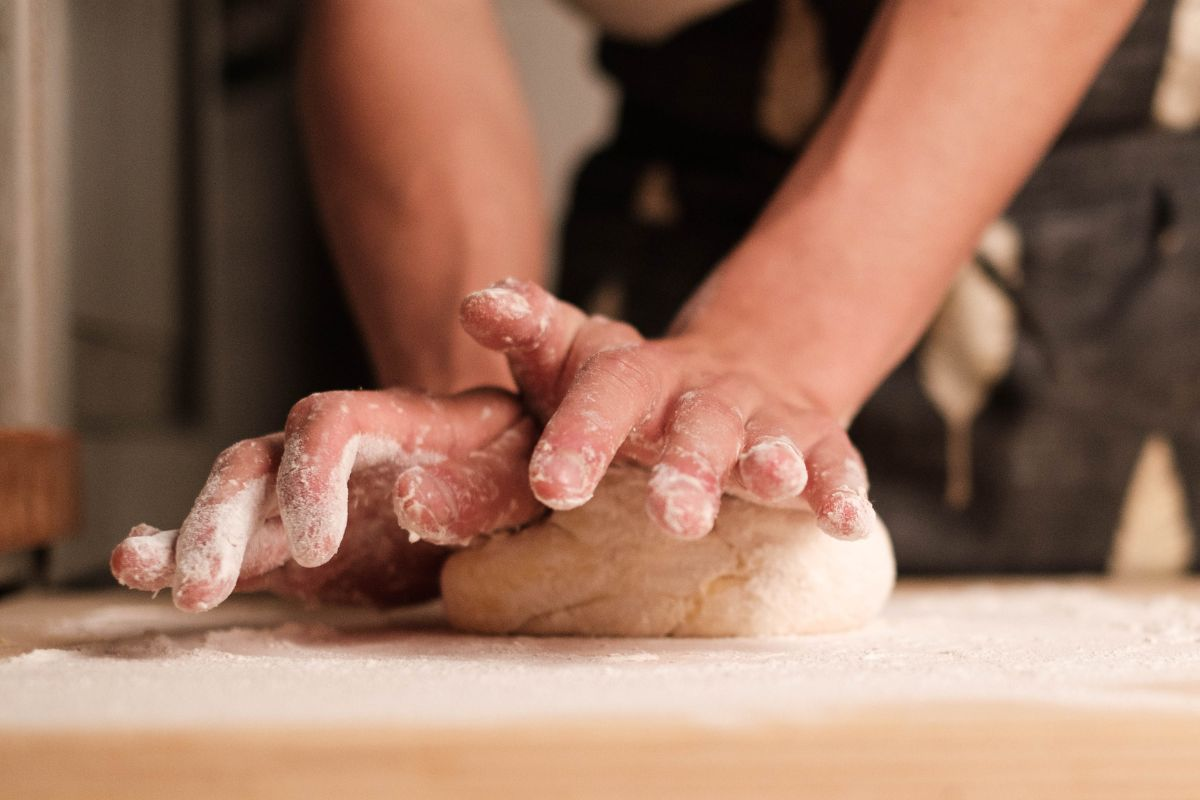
953	751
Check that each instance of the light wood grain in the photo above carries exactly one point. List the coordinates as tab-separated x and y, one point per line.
900	753
1133	735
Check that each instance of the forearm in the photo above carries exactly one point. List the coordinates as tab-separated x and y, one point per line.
425	170
949	107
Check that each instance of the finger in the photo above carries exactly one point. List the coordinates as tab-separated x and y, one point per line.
145	560
837	488
451	502
212	541
545	340
531	327
771	466
329	435
268	549
613	392
703	440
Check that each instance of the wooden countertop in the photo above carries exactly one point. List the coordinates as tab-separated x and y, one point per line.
965	689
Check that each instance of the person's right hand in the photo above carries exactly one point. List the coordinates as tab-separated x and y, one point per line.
702	420
326	510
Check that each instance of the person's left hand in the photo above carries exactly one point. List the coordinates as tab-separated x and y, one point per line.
324	511
703	422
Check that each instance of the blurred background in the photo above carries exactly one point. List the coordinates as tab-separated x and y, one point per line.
164	288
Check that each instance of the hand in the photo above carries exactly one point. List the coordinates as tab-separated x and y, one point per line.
702	422
324	510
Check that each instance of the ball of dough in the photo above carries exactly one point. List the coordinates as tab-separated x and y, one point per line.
605	570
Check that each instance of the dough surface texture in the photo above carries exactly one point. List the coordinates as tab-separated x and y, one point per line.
604	570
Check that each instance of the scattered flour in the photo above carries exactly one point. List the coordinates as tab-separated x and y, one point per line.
120	660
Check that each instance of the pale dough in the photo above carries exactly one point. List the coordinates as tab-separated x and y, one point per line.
605	570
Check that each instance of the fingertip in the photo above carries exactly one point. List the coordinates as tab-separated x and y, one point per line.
144	560
562	479
194	597
508	315
680	504
772	468
202	586
313	506
203	581
846	514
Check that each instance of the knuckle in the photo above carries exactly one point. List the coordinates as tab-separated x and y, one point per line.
626	365
717	413
312	408
615	330
247	453
303	410
226	458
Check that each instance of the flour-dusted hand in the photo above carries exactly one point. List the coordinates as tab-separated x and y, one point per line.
333	508
703	422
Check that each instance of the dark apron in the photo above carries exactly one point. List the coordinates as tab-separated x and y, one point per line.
1109	343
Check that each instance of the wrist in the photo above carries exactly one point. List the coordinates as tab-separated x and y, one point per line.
769	312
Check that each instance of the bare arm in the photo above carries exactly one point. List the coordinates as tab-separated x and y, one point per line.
950	106
425	170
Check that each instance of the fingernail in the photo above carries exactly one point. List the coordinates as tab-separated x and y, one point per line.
846	514
560	479
680	503
773	468
500	317
505	302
